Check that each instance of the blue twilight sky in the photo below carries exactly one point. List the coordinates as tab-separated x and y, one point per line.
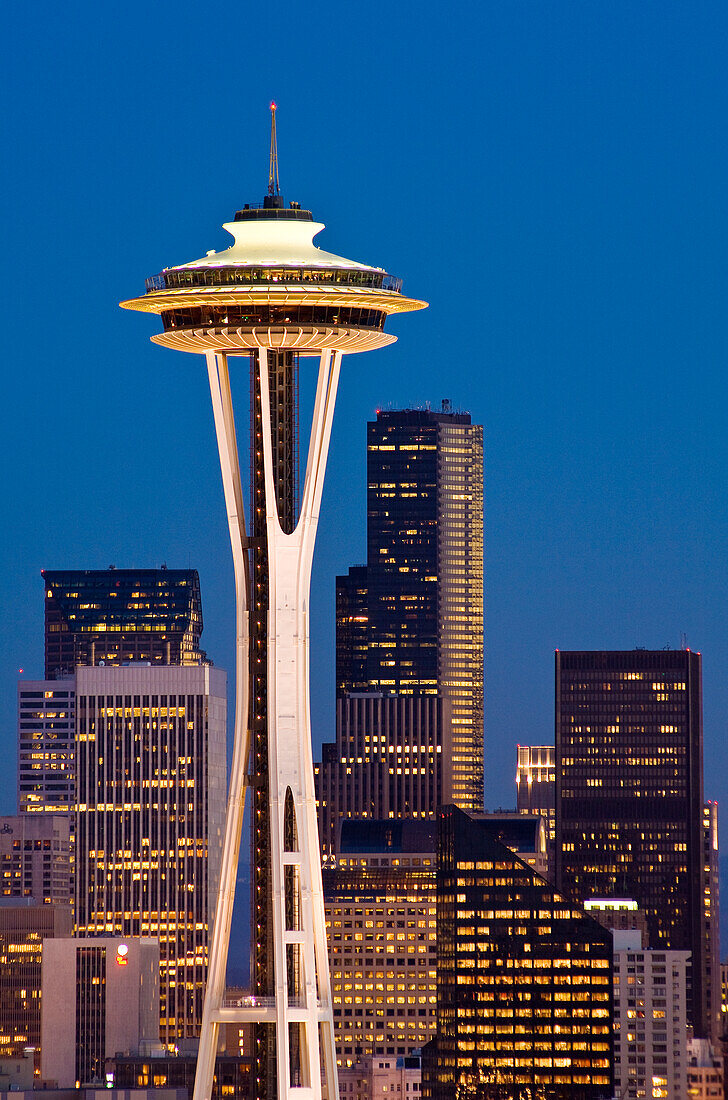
550	176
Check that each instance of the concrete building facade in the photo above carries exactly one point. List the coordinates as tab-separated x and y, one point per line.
100	995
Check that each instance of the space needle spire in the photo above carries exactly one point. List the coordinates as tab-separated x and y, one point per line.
276	299
273	183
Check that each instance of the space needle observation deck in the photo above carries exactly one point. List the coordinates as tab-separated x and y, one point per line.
273	297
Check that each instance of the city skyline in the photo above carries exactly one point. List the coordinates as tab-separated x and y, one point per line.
599	378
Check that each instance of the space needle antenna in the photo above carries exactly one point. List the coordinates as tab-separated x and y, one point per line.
273	184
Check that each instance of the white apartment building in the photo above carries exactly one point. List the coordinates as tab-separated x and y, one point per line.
650	1023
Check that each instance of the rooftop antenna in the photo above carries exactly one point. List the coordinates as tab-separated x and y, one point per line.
273	184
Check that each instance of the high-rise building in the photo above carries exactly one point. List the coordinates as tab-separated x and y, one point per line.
409	626
629	793
46	745
35	857
149	815
650	1025
352	631
99	995
24	928
536	787
711	921
115	616
392	759
381	920
425	572
524	994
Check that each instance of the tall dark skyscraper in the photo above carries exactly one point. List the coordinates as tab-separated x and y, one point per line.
116	616
413	619
629	794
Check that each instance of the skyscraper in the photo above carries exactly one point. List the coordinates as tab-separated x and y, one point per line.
115	616
410	622
150	809
629	793
392	759
524	985
35	859
24	925
46	745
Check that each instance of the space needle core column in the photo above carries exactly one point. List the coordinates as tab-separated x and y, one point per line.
274	296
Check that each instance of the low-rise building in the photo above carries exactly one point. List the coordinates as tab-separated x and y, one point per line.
100	995
705	1071
25	928
378	1077
650	1020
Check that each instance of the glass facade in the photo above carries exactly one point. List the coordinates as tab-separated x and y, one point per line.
415	614
629	792
524	995
115	616
352	631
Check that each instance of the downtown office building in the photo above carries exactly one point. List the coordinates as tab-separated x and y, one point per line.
133	750
524	978
629	799
409	629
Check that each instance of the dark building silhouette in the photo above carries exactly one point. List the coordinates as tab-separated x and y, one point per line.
352	631
116	616
392	759
524	985
629	795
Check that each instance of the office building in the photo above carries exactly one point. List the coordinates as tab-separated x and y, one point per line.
421	595
46	745
115	616
381	923
24	928
711	921
392	759
35	857
650	1023
523	834
99	995
352	631
524	999
536	788
150	779
629	794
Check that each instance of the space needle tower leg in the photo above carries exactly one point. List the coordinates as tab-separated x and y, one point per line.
303	1006
222	407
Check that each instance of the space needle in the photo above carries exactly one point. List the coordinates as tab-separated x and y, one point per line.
275	298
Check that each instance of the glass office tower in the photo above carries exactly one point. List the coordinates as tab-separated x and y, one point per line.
115	616
524	983
414	617
629	794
